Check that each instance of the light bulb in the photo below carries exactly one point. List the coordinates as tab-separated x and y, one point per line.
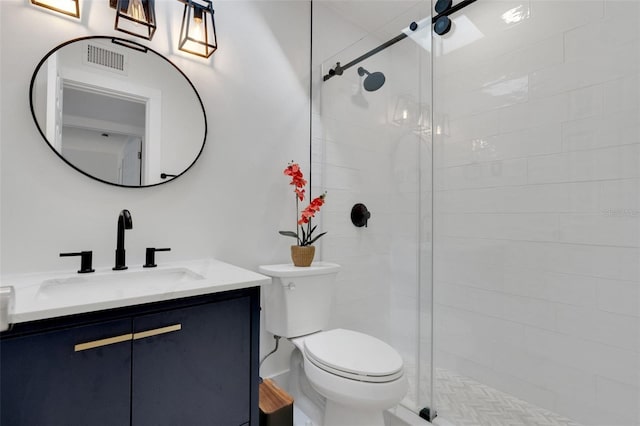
136	10
197	31
197	15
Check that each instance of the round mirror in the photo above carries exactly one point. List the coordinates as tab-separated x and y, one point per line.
118	111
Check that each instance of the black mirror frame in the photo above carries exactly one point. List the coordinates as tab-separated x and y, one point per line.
135	46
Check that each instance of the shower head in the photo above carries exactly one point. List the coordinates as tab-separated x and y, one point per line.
372	81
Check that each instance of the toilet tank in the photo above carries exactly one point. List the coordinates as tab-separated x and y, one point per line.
299	299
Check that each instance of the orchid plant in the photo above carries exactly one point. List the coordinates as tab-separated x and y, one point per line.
303	237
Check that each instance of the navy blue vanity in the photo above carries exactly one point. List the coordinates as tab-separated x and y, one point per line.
181	361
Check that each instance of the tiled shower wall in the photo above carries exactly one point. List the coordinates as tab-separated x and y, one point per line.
537	232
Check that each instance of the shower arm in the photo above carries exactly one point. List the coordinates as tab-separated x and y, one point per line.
339	69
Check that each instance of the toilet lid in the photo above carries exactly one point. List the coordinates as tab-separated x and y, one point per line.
353	355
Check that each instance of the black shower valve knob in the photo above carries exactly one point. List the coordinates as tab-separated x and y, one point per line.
360	215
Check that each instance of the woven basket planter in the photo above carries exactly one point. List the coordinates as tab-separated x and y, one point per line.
302	255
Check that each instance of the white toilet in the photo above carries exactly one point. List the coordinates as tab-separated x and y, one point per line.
358	375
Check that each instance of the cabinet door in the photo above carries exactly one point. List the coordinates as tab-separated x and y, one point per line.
47	379
192	366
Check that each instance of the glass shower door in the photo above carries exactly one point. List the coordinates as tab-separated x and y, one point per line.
372	145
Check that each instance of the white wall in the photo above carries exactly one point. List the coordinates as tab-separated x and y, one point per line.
230	205
538	199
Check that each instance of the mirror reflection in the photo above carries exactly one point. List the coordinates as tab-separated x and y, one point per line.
117	111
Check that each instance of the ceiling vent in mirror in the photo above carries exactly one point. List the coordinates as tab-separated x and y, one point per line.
106	59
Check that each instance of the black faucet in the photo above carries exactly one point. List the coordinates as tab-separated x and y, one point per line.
124	222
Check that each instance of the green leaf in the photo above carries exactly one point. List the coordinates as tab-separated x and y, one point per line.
304	237
312	241
288	234
312	229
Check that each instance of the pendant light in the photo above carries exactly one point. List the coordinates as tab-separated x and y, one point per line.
198	29
66	7
135	17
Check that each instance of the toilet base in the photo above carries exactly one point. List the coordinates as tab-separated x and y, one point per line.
340	415
337	401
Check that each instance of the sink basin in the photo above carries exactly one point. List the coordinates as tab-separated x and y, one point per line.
45	295
120	283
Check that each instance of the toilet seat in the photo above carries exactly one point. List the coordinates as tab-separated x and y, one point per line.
353	355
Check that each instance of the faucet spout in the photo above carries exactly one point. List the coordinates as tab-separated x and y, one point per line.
124	222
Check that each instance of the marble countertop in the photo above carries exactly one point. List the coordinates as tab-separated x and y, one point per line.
48	295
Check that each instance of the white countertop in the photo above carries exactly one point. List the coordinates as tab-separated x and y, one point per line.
48	295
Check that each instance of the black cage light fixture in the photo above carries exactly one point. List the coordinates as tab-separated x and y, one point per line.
198	29
135	17
66	7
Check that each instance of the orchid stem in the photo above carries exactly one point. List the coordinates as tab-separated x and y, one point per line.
297	227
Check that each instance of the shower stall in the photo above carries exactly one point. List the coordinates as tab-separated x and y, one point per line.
500	162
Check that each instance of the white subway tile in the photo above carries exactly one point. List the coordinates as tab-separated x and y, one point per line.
586	102
620	399
471	127
591	324
600	229
606	361
490	174
590	260
622	94
523	143
586	412
596	38
565	15
521	310
571	289
343	178
542	372
497	69
618	62
530	227
550	286
621	8
548	169
583	196
486	277
622	128
609	163
535	113
620	297
505	93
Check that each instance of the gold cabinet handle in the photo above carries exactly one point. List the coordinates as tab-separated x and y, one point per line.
102	342
124	337
157	331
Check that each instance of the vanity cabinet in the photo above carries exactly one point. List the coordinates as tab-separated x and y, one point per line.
46	382
185	362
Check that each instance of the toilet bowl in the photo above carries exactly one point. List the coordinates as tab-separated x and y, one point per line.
358	376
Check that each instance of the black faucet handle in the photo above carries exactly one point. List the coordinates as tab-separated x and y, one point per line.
86	258
150	258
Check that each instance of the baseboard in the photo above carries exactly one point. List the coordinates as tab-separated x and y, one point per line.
281	379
